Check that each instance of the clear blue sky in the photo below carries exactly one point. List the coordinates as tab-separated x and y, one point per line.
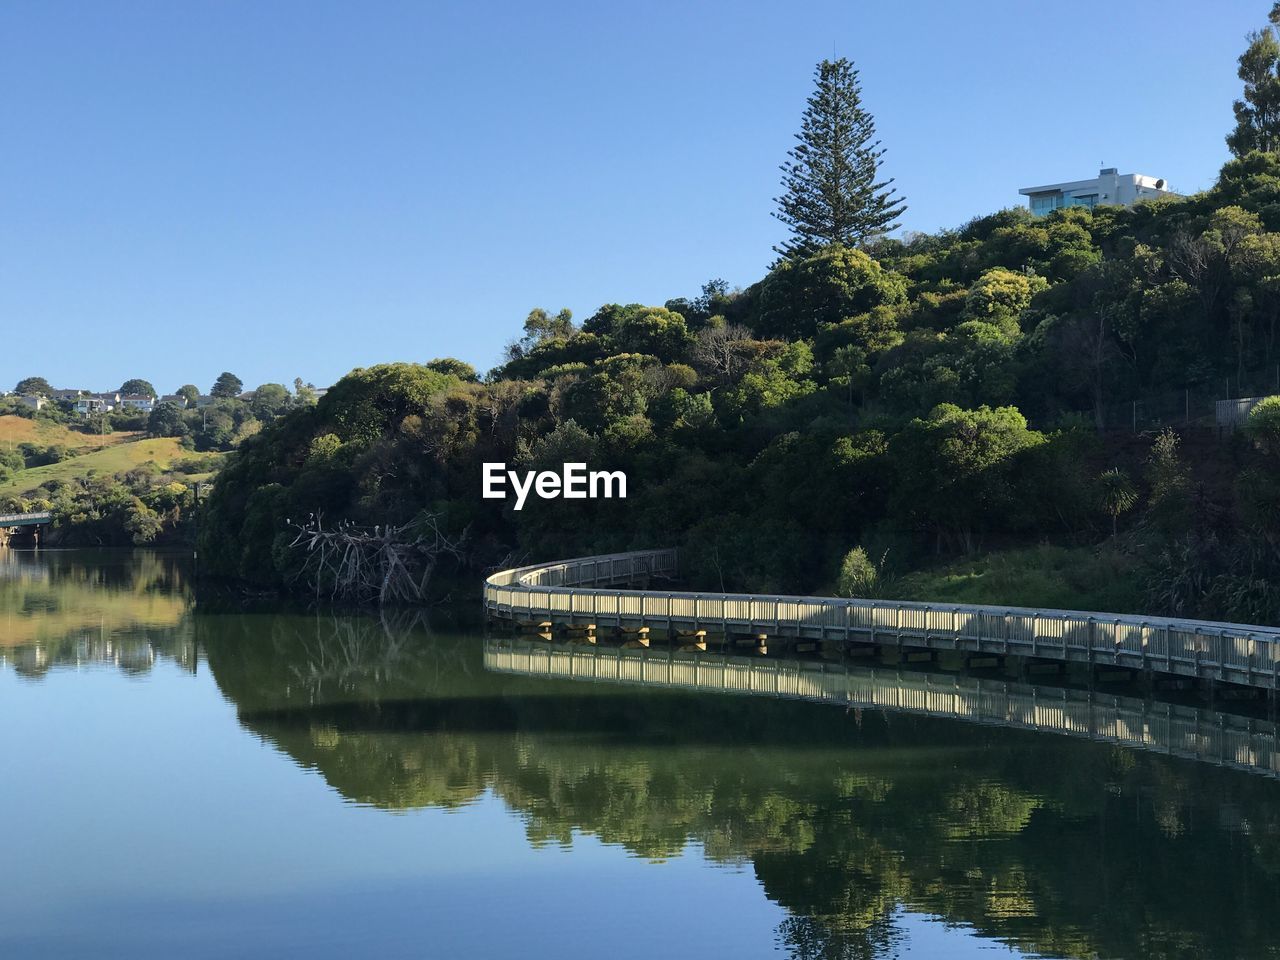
297	188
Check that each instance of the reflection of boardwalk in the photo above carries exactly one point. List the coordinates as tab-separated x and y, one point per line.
1182	731
592	590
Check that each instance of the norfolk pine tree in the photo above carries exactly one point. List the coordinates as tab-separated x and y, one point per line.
831	194
1258	114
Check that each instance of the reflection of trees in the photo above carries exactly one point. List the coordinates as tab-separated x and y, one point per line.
85	608
1061	846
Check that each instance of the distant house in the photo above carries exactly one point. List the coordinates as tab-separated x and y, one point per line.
97	403
138	402
70	396
1109	188
34	401
205	400
176	399
247	396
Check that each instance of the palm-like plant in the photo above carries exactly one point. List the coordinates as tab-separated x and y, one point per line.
1116	494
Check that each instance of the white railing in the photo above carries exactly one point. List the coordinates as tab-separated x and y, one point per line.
1184	731
12	519
583	590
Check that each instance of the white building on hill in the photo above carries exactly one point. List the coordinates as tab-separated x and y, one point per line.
1108	188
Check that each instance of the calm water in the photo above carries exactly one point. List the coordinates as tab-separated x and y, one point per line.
208	782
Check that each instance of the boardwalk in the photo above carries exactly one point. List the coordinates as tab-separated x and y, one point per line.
602	591
9	520
1194	733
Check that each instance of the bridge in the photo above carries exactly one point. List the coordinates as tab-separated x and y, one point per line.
1194	733
601	591
10	520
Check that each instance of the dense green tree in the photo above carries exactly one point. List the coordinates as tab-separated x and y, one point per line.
1000	296
1258	111
835	284
957	470
372	401
166	420
831	190
270	400
33	386
540	327
189	392
11	462
454	368
541	324
227	386
653	330
138	386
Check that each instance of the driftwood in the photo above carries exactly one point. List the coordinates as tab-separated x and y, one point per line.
387	563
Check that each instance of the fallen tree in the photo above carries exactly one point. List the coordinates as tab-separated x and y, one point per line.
386	563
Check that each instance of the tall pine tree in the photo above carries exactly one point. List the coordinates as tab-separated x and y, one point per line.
831	191
1258	114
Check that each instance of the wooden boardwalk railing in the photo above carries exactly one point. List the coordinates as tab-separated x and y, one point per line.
596	590
1183	731
24	519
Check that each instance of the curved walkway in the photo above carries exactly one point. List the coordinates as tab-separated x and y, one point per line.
602	591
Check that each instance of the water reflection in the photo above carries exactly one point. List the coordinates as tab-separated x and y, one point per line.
1057	846
896	795
1240	741
79	609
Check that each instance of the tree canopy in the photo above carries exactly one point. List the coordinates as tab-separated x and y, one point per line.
33	386
138	386
1258	111
226	386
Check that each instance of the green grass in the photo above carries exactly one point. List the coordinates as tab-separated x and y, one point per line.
105	462
1077	578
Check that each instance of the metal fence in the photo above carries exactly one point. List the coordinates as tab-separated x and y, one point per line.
1205	735
1197	405
1232	414
574	592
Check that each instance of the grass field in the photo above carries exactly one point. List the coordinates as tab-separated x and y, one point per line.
119	457
15	430
1080	578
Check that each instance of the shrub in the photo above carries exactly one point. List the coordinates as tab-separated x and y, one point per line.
1263	425
859	575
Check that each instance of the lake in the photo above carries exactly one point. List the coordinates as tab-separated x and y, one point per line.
215	778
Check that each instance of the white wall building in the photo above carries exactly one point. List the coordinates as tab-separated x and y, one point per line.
138	402
97	403
1109	188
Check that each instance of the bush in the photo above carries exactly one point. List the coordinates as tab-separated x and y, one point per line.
859	576
1263	425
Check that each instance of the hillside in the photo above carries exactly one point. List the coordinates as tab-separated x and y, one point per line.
108	460
15	430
